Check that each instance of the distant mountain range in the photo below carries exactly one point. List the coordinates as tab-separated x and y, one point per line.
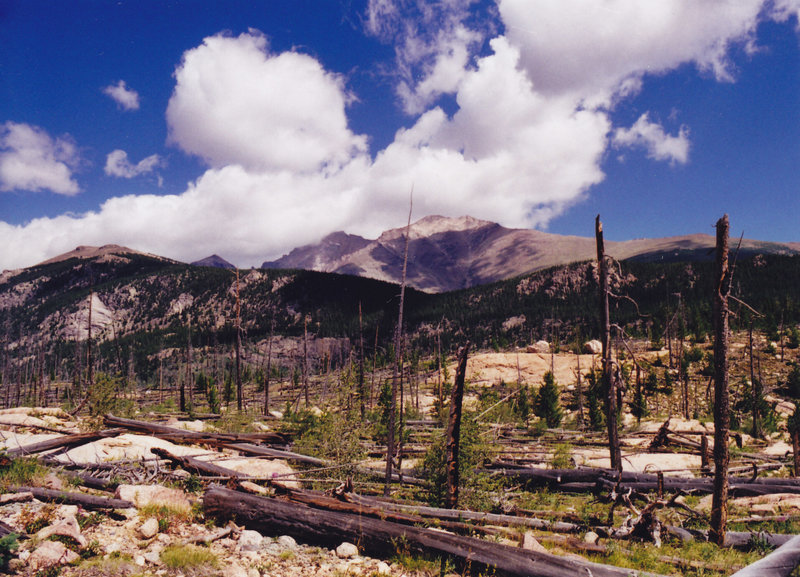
447	254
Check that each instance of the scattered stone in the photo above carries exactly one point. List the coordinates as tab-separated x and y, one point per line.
67	528
149	528
235	570
591	537
383	568
51	554
542	347
51	481
143	495
139	560
7	498
250	540
287	542
346	551
153	557
529	543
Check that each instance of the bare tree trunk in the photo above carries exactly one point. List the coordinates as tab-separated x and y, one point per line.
398	358
362	387
608	374
305	360
796	451
454	431
268	374
755	385
719	508
239	393
189	372
579	390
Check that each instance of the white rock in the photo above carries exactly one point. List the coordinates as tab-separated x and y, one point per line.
235	570
139	560
49	554
593	347
530	543
149	528
66	527
383	568
591	537
346	551
143	495
253	572
250	540
287	542
153	557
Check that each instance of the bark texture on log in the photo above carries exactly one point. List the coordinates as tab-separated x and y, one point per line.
377	537
779	563
182	436
719	507
85	501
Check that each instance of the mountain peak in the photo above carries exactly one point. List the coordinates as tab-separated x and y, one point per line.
214	261
436	224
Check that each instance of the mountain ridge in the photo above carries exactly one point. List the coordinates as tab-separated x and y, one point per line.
453	253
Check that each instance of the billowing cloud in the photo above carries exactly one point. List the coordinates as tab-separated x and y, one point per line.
527	124
31	160
591	49
126	98
651	137
117	164
260	110
434	45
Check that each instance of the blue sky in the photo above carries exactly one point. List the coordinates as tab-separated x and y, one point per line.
244	128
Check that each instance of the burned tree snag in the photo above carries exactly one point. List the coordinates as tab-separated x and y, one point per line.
239	393
608	373
719	508
398	359
454	431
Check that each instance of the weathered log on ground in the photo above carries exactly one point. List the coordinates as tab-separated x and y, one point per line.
461	515
322	501
780	563
585	478
377	537
250	449
180	435
197	466
90	502
63	442
6	529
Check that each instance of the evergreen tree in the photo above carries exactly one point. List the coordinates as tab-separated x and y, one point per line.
547	405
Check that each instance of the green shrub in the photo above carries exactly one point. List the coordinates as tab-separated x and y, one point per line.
548	406
477	489
8	545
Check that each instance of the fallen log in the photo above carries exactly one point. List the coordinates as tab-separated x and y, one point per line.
461	515
194	465
180	435
377	537
780	563
322	501
585	478
258	450
90	502
63	442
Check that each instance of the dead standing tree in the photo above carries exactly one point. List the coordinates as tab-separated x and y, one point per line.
719	508
608	370
453	437
398	359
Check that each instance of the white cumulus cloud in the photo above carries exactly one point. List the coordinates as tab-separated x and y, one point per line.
117	164
658	144
125	97
524	141
236	103
32	160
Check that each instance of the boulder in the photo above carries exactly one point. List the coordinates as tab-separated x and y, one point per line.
250	540
66	528
593	347
51	554
143	495
346	551
542	347
149	528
